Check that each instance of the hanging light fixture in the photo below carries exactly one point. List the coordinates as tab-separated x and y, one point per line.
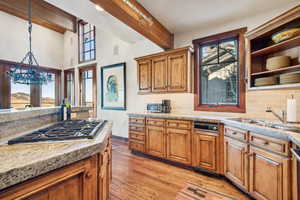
31	74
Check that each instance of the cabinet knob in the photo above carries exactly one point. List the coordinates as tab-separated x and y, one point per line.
266	143
88	175
234	133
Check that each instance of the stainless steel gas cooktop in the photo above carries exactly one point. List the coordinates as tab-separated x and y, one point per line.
65	130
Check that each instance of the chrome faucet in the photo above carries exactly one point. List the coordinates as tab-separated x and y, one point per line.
28	106
282	118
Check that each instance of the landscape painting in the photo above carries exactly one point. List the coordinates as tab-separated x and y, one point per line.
114	87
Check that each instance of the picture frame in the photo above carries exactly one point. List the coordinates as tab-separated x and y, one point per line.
113	87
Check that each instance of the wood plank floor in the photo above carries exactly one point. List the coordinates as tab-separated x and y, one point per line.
139	178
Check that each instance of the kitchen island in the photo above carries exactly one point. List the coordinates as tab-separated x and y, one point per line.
74	169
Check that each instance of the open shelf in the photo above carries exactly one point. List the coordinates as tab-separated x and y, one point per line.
287	44
274	87
277	71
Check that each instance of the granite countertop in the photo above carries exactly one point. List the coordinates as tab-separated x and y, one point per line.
21	162
207	118
271	132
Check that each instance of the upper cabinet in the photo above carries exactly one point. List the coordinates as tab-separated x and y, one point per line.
159	74
273	59
166	72
177	71
144	75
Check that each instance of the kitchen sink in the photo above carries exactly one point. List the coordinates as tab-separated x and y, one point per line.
269	124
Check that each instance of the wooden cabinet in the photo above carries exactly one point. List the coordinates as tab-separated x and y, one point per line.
177	72
84	180
77	181
159	74
260	165
236	162
169	71
269	175
179	145
205	147
137	134
104	176
144	76
156	141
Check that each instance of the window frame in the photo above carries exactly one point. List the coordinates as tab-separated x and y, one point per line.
83	69
66	72
81	37
240	107
35	90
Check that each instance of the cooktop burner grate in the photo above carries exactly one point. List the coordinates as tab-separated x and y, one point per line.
65	130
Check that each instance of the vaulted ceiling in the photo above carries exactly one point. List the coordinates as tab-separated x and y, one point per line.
176	15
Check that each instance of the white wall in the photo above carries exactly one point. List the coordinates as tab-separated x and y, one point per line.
105	44
47	44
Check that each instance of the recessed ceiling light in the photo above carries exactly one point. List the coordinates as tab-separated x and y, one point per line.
99	8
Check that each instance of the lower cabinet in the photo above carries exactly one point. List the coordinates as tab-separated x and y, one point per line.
179	145
205	150
156	141
104	176
236	162
261	169
269	175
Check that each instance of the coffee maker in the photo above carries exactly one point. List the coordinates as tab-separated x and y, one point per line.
166	106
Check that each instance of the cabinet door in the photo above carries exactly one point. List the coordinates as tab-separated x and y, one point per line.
177	72
159	74
144	76
156	141
269	175
69	189
205	151
104	177
179	145
236	162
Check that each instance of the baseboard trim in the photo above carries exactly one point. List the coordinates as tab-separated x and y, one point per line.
124	139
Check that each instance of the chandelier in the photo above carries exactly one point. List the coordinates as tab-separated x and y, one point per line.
28	71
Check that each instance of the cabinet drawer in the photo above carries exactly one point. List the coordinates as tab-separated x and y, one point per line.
137	120
137	136
178	124
271	144
136	146
236	133
137	128
155	122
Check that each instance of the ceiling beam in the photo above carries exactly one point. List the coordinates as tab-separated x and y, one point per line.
138	18
43	14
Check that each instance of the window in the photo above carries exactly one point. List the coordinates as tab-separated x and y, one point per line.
20	95
87	88
70	86
88	91
48	93
15	95
219	67
86	42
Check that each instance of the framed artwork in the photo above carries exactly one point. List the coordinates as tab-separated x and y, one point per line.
113	87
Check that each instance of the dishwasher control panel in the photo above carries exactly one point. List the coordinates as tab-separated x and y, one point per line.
206	126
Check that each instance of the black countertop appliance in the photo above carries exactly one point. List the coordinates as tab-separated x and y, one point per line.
164	107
